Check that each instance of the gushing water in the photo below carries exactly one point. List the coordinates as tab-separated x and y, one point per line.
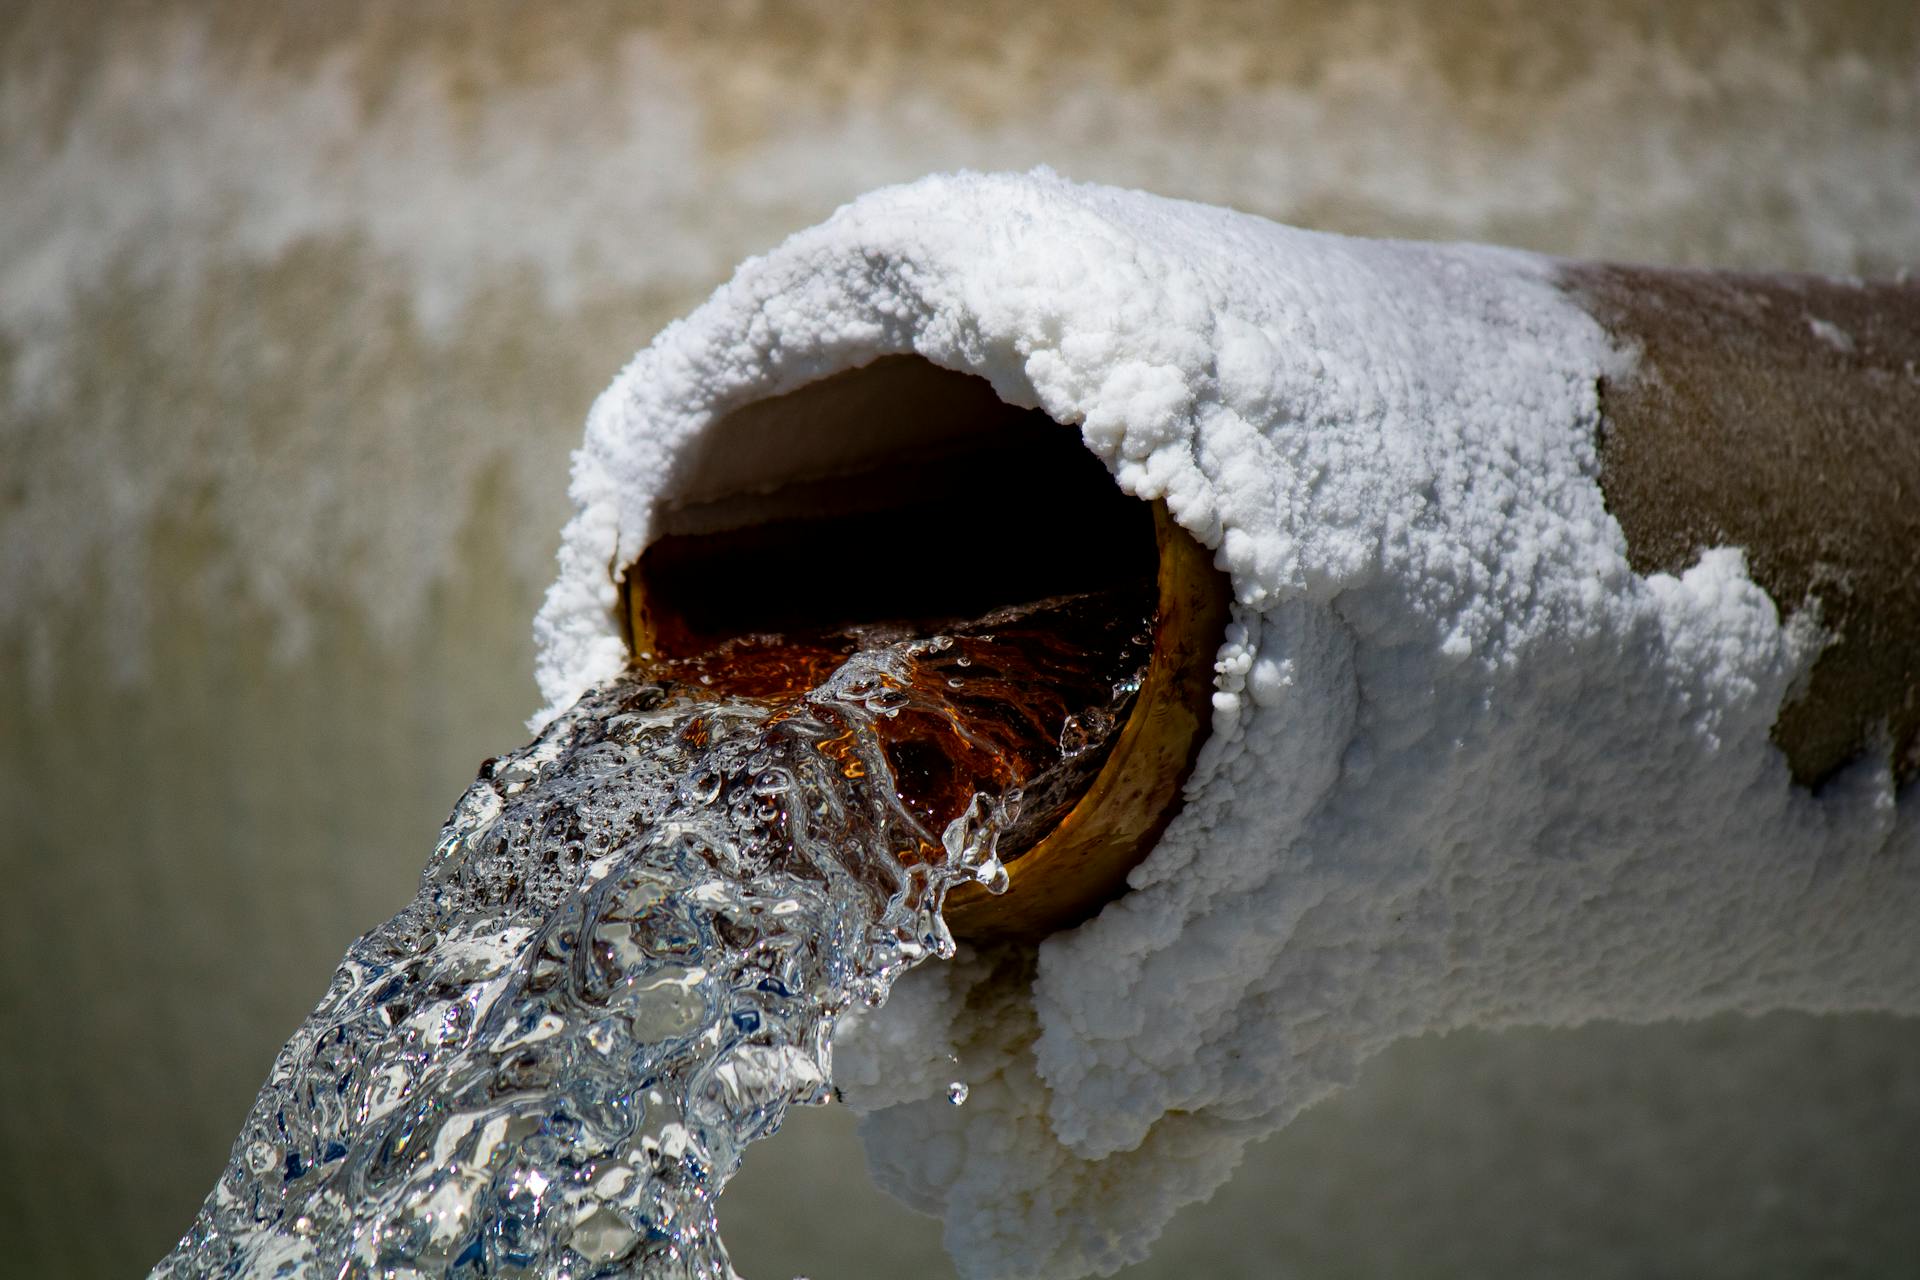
629	949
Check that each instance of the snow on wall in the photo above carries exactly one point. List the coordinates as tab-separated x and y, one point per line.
1466	767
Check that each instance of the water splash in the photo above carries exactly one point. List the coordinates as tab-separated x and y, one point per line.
629	949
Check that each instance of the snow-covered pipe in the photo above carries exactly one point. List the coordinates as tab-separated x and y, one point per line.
1569	674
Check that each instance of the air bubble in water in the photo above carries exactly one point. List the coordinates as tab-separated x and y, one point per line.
993	875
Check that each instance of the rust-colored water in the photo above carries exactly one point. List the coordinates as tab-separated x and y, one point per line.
1027	697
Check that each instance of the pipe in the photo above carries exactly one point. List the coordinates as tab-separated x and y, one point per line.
1778	413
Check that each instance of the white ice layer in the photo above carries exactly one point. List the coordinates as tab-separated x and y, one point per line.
1466	767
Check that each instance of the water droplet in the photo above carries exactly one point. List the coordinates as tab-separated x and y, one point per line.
957	1092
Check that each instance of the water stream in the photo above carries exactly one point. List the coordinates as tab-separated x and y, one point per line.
630	946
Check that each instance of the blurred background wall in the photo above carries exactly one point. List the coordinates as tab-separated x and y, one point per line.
301	309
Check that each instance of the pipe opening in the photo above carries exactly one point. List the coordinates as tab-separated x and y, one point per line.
901	492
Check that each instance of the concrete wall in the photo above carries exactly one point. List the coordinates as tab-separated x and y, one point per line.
301	310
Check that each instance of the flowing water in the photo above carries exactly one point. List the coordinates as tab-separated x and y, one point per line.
629	949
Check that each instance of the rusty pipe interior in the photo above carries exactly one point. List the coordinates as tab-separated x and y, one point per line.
900	491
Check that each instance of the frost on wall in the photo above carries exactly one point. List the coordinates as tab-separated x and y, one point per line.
1466	769
308	284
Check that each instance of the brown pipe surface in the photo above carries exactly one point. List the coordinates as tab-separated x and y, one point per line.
1780	414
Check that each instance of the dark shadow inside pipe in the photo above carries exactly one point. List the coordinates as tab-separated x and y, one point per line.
896	491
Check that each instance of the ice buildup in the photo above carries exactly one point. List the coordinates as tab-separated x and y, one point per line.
1467	768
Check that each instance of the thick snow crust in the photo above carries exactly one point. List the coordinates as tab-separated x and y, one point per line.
1466	768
